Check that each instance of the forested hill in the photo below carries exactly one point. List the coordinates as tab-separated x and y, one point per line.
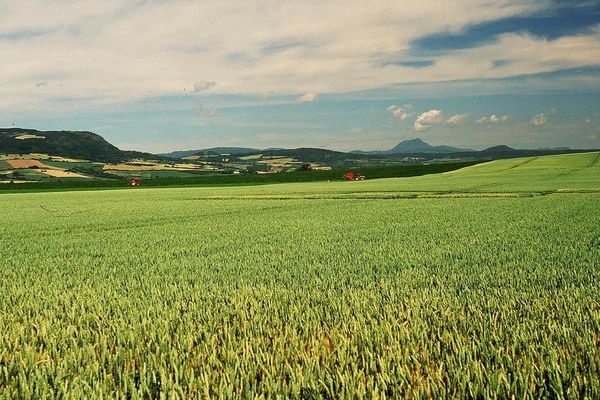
74	144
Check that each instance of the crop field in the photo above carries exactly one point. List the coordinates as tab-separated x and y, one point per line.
148	167
57	173
476	283
153	174
28	164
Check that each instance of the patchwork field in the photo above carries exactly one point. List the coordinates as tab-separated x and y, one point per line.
30	156
150	167
57	173
17	164
477	283
24	169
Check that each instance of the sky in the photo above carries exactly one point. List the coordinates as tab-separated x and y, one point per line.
172	75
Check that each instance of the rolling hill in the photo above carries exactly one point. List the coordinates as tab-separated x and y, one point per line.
211	150
90	146
73	144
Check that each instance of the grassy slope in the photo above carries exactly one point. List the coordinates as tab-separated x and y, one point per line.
531	174
164	290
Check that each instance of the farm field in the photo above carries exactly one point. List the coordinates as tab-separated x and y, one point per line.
207	178
25	169
480	282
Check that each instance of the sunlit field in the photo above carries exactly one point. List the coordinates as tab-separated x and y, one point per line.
482	282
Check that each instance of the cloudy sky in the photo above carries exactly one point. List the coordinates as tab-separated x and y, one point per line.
169	75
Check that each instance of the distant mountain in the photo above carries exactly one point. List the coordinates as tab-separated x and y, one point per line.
554	148
212	150
498	149
73	144
311	154
419	146
180	153
415	146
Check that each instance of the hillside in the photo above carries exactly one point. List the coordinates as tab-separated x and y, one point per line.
310	154
414	146
72	144
527	176
32	156
211	150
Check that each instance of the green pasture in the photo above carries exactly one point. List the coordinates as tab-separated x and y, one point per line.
69	164
478	283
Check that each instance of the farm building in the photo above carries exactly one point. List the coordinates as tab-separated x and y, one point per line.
351	176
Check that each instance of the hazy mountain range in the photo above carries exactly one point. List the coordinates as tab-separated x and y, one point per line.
411	146
415	146
91	146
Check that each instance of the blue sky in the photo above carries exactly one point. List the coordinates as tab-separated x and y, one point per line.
161	76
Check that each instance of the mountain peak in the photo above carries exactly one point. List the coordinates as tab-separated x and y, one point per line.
411	146
415	140
498	148
418	145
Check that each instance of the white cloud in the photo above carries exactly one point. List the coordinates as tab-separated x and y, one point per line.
538	120
400	112
494	119
113	51
306	98
457	119
543	118
425	120
203	85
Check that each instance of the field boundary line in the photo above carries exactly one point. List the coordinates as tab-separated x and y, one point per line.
402	195
594	161
521	163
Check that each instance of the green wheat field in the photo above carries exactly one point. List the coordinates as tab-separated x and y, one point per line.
478	283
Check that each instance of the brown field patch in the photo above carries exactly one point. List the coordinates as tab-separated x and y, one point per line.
280	160
134	167
188	166
63	174
29	136
128	167
17	164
